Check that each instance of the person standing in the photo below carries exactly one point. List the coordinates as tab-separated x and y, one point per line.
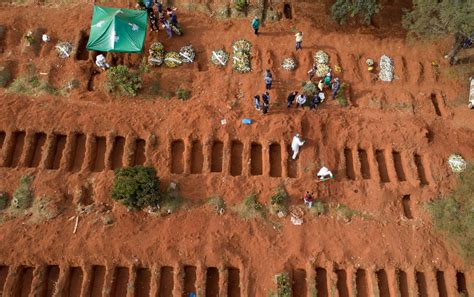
314	102
159	6
312	72
300	100
336	85
308	199
321	85
299	40
256	99
291	98
256	24
268	79
266	98
266	107
327	79
295	145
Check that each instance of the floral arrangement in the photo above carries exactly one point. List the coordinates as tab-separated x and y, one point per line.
288	64
219	58
172	59
187	54
157	54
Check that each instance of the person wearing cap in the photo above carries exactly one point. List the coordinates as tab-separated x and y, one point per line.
255	24
336	85
295	145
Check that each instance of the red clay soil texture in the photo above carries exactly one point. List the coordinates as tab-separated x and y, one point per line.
387	150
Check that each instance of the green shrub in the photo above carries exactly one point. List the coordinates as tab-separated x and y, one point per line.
122	81
240	5
23	195
363	9
453	214
283	285
183	94
279	201
341	95
136	187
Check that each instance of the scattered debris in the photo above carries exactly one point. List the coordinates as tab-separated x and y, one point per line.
223	122
247	121
296	215
76	224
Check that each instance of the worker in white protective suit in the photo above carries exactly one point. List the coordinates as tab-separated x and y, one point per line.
295	145
101	63
324	173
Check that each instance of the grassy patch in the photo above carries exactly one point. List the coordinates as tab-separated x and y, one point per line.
346	213
453	214
279	201
183	94
3	200
240	5
250	208
5	76
171	200
23	195
217	203
318	208
30	84
283	283
460	73
341	95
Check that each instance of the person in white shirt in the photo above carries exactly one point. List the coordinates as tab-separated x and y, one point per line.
299	40
324	173
295	145
300	100
101	63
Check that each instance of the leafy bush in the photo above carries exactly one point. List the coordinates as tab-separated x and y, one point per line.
279	200
23	195
283	285
136	187
123	81
430	18
363	9
183	94
341	95
240	5
453	214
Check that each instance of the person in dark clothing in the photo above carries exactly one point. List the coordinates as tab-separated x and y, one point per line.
159	6
256	99
336	85
153	22
314	102
291	98
174	19
265	107
266	97
256	24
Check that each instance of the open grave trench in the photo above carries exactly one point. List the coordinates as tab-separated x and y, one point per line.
211	281
76	152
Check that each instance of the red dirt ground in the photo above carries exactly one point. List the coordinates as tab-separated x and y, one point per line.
392	141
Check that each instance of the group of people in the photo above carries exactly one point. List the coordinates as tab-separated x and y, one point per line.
264	105
167	18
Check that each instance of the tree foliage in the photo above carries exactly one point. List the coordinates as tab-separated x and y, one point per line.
454	214
432	18
365	10
136	187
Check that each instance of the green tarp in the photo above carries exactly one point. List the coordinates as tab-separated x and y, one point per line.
117	30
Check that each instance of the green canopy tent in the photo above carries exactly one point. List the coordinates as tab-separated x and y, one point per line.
117	30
